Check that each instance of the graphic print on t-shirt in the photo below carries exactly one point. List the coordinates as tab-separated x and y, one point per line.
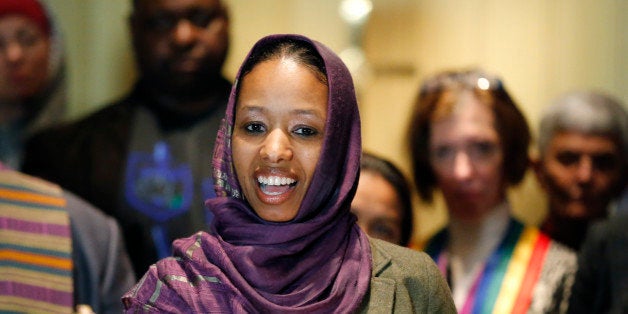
156	186
167	180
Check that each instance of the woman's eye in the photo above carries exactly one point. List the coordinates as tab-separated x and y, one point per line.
482	149
305	131
443	153
382	230
254	128
27	39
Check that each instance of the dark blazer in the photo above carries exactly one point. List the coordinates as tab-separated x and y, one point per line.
601	284
405	281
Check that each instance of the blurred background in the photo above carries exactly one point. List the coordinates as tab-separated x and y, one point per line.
539	48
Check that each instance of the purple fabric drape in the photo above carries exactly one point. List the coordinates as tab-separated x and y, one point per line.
318	262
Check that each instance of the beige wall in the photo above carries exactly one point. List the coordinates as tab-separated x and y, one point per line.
540	49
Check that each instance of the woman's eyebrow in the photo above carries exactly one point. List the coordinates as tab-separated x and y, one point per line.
308	112
251	108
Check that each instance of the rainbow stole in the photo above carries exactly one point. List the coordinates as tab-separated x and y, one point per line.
507	281
35	246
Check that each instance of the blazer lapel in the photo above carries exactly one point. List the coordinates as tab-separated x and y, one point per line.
382	291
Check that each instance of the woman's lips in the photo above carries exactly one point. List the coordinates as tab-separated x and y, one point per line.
468	196
275	189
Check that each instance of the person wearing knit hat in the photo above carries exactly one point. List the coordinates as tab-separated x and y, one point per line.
30	9
32	78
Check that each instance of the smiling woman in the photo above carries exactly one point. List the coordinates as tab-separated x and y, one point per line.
278	134
286	167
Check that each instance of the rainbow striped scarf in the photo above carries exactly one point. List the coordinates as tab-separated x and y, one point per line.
507	281
35	246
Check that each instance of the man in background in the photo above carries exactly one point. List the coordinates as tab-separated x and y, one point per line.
601	283
146	159
583	162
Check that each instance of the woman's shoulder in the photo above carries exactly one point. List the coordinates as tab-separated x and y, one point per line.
400	263
402	256
416	281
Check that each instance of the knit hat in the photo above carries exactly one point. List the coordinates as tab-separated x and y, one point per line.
31	9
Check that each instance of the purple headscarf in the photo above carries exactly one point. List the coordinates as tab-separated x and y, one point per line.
318	262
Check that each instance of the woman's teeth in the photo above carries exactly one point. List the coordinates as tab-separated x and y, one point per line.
274	186
274	180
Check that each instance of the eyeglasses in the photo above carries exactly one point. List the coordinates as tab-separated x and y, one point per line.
471	79
167	21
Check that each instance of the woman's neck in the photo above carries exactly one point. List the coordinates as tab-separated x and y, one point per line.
470	244
469	235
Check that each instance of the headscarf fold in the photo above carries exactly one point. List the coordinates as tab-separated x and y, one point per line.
318	262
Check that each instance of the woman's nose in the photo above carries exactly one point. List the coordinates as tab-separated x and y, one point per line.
277	147
462	166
